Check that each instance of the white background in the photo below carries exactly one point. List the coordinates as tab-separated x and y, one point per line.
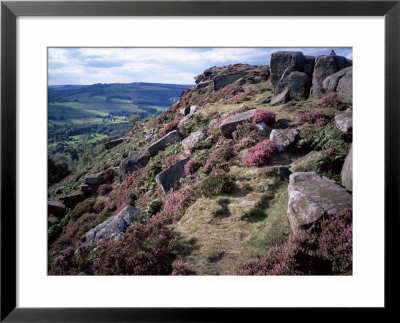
364	288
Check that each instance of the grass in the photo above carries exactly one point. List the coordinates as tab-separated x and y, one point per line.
214	236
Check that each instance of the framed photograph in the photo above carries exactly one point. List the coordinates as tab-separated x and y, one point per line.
184	160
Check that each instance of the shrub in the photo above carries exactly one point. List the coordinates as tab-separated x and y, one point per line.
259	154
104	189
331	100
99	205
220	156
175	203
245	135
268	117
107	176
197	121
315	117
56	171
85	206
170	126
191	167
144	249
180	268
330	137
327	249
217	184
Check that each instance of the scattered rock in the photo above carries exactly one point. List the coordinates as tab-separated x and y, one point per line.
203	84
56	208
93	179
281	60
301	164
261	127
347	171
325	65
112	143
281	98
111	227
170	177
185	119
194	108
88	190
238	90
344	122
311	197
228	126
197	136
134	161
149	136
72	199
282	138
246	202
345	88
222	80
162	143
331	82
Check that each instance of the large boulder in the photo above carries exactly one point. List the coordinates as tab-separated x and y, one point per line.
281	60
331	82
111	227
197	136
222	80
345	88
170	177
312	197
72	199
283	138
162	143
56	208
309	62
292	85
112	143
347	171
228	126
344	122
299	85
134	161
325	65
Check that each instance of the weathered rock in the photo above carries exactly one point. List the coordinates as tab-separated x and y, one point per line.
203	84
331	82
134	161
170	177
199	78
185	111
56	208
194	108
93	179
162	143
299	85
112	143
347	171
87	190
283	138
238	90
222	80
325	65
261	127
309	62
72	199
301	164
197	136
345	88
185	119
282	60
312	197
281	98
111	227
149	136
228	126
344	122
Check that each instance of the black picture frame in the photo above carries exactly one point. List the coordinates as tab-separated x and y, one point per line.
10	10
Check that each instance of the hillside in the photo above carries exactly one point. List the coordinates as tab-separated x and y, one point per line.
249	172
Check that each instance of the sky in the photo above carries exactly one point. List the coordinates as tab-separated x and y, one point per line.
85	66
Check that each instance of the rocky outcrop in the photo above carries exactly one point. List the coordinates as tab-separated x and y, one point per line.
222	80
344	122
134	161
312	197
162	143
170	177
72	199
228	126
93	179
325	65
282	60
112	143
309	62
283	138
111	227
345	88
185	111
56	208
292	85
331	82
197	136
347	171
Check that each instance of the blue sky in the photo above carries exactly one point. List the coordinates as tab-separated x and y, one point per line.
156	65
